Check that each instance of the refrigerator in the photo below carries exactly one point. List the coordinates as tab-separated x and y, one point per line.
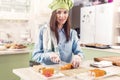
97	24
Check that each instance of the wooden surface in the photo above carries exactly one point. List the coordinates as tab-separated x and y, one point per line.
114	59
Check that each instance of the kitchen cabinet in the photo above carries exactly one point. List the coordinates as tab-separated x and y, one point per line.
98	24
87	28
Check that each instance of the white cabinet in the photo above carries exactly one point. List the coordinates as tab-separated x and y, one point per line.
87	29
104	23
97	24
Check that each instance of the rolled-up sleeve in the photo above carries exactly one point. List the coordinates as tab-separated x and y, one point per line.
38	54
76	45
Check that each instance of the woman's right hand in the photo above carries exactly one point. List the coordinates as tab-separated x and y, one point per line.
54	57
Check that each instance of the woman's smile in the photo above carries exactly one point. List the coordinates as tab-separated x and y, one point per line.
62	16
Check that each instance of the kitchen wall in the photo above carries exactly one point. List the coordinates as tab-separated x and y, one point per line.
15	29
39	14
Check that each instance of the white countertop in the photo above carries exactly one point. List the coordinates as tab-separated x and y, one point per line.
30	74
4	52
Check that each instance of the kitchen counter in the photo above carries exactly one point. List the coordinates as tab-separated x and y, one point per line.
30	74
10	59
4	52
90	53
107	50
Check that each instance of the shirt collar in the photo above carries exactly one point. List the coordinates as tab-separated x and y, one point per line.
61	30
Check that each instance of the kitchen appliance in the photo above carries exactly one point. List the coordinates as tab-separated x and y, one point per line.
97	24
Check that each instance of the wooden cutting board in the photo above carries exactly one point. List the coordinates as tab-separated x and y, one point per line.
114	59
73	72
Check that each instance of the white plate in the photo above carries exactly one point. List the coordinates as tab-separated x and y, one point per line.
115	47
55	75
2	48
17	49
84	76
110	71
102	64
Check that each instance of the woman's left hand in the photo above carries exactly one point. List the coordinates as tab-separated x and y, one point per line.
76	61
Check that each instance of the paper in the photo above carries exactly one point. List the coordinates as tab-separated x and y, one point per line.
102	64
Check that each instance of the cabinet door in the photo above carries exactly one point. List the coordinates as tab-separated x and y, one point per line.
87	29
104	23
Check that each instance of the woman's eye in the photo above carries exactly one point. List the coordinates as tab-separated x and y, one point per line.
65	12
59	12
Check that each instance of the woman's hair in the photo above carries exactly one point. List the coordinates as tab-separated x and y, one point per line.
54	26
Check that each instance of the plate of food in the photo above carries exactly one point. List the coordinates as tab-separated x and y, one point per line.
47	72
15	46
98	73
97	45
22	49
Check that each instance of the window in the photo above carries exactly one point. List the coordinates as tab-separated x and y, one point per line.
14	9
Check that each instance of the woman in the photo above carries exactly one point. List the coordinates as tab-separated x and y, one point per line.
57	42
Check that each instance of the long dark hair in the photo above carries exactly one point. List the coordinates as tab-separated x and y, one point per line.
54	27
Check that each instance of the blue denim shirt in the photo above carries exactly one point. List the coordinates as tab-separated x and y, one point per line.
66	49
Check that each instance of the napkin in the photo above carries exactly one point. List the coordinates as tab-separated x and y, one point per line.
102	64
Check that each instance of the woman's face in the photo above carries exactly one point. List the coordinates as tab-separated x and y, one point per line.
62	15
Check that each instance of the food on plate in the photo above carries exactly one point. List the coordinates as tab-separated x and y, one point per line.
66	67
44	70
96	45
48	72
99	45
15	46
7	45
98	72
38	68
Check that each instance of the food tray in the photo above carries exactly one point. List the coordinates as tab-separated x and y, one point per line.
98	45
